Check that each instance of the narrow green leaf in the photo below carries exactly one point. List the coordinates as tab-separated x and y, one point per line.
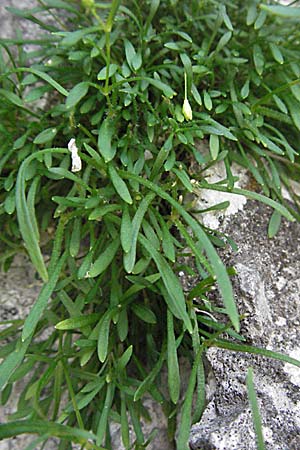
103	336
130	257
194	246
76	94
207	101
225	17
133	58
280	104
144	313
150	378
26	223
258	58
293	106
106	132
102	425
167	241
115	4
255	196
101	211
20	142
295	91
104	260
68	303
41	427
162	156
11	97
184	178
261	18
95	155
112	70
186	413
135	420
13	360
255	350
153	9
47	78
124	422
167	90
283	11
274	224
70	38
255	411
10	203
77	322
224	41
214	146
119	184
42	300
277	55
175	298
86	264
125	358
45	136
31	206
172	359
245	89
251	13
217	207
63	173
196	95
36	93
59	4
129	52
217	128
122	325
126	230
75	238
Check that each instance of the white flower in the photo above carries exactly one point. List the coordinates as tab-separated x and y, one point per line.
76	161
186	107
187	110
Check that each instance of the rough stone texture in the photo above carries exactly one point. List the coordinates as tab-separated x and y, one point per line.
10	23
267	290
206	198
18	289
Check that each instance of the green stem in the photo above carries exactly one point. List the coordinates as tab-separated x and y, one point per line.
108	58
281	88
185	86
72	395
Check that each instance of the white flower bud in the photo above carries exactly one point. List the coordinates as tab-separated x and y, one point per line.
187	110
76	161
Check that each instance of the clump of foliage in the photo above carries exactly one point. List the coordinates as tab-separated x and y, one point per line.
108	240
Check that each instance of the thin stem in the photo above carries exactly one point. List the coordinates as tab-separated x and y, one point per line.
72	395
185	86
108	58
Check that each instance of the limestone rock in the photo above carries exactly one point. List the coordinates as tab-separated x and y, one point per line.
267	289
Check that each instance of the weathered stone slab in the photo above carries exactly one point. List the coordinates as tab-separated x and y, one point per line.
267	289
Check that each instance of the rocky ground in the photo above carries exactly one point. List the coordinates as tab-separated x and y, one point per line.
267	289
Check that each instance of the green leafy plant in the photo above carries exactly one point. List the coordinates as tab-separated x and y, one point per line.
101	123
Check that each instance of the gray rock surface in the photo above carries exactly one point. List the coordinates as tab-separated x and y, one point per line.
10	23
267	290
